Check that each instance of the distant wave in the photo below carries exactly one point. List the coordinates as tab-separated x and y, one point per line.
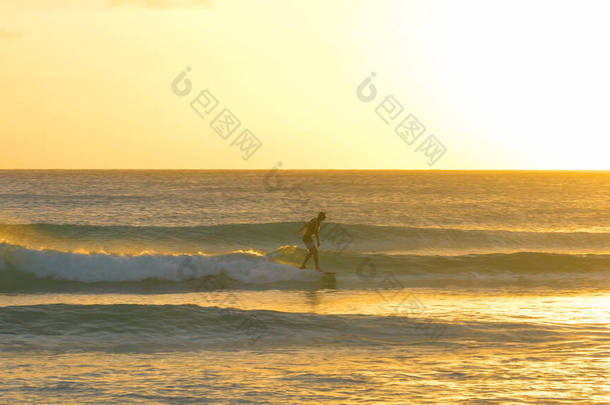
150	328
22	267
335	237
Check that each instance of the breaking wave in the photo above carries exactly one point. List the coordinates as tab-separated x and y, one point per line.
26	268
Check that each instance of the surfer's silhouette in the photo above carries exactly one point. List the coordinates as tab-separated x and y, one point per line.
312	228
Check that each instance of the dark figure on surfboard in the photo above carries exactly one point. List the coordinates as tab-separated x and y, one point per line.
312	228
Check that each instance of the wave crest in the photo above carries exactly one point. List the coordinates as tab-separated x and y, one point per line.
98	267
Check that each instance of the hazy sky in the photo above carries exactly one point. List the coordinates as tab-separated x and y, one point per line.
502	85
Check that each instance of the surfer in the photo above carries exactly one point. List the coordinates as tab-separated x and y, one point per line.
312	228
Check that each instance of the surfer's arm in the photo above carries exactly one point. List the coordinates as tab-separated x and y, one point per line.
318	236
301	229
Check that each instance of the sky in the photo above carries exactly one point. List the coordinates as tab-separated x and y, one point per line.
94	84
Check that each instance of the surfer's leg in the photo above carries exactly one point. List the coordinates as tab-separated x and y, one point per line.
315	258
310	246
307	256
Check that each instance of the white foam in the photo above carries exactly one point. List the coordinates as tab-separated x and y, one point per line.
245	267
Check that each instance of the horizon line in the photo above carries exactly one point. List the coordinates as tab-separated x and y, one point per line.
297	169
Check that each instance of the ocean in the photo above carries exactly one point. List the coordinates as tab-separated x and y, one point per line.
182	287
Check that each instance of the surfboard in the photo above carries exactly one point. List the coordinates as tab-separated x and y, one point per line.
319	271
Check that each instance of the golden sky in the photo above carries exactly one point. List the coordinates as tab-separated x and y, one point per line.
501	85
